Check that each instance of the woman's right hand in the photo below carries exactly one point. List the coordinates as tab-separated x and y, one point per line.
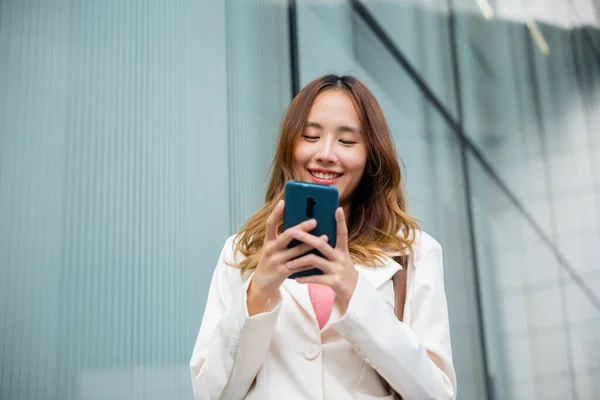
271	270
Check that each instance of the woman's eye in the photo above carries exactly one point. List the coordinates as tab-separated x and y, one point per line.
309	137
347	142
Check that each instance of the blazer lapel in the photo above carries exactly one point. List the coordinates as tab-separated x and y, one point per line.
376	275
299	293
380	274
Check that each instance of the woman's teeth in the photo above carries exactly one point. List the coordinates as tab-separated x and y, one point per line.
322	175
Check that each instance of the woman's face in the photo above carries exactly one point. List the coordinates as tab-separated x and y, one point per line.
332	148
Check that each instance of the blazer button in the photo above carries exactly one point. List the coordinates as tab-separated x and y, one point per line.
312	353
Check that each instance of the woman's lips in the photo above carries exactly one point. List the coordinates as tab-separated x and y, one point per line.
324	178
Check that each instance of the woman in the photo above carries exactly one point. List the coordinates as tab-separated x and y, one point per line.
330	336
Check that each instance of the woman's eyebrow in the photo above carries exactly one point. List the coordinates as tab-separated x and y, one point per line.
350	129
313	125
342	128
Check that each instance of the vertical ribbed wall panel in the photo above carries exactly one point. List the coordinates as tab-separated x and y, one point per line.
258	94
106	241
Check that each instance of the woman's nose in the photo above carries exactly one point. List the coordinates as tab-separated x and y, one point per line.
326	152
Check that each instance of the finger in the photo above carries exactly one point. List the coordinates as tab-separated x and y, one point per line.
318	279
300	270
341	238
299	250
286	237
309	260
315	242
272	221
294	252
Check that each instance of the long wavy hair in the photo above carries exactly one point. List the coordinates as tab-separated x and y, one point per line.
379	223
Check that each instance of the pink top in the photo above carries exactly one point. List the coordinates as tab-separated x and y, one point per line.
322	298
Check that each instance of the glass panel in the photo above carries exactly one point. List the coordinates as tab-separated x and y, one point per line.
258	92
531	96
538	320
435	184
115	193
421	31
418	30
431	154
533	115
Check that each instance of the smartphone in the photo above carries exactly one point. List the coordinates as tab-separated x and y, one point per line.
304	201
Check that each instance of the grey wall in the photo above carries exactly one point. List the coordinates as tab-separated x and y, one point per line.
121	149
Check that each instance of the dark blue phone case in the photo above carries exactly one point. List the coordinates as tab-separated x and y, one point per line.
304	201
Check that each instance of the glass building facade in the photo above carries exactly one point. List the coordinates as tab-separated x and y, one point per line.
136	136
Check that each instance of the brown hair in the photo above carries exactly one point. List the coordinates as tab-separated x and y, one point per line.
379	222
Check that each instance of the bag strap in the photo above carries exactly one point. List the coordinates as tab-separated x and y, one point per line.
399	280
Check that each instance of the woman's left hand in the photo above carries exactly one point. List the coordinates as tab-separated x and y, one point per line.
337	266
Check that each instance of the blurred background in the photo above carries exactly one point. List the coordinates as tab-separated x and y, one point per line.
135	137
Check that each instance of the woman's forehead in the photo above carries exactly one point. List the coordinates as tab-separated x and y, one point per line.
334	107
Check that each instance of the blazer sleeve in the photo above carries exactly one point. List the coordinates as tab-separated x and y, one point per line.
231	346
415	360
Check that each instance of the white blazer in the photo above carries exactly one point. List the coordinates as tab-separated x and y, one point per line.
367	353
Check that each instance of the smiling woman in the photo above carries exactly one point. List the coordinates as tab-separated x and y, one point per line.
332	150
336	335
